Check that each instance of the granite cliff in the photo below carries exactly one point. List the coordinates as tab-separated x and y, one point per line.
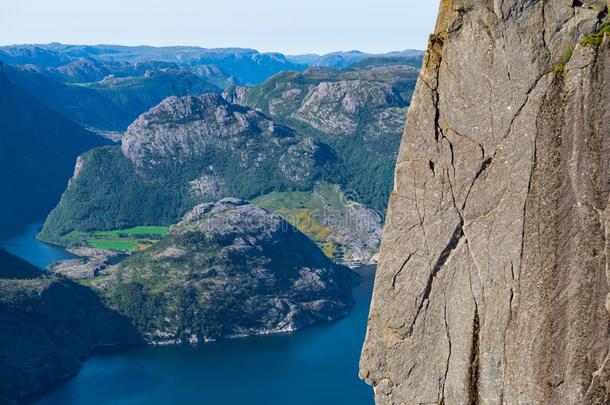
493	279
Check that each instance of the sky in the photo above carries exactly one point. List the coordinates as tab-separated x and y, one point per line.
287	26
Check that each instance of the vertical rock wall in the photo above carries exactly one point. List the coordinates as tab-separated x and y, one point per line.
493	281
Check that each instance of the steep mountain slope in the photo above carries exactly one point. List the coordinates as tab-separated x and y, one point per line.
493	280
181	152
37	152
228	269
49	325
359	112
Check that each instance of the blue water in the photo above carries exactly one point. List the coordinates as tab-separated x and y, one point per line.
317	365
22	242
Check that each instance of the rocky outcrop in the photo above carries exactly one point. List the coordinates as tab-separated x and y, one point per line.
48	326
88	264
353	98
235	94
336	102
493	280
228	269
181	129
356	233
301	162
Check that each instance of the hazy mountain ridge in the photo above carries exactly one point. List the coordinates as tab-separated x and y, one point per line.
349	58
112	103
248	66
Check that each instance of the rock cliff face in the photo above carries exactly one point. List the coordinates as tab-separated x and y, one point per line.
493	281
181	129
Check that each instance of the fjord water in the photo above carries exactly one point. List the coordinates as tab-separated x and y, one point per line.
22	242
317	365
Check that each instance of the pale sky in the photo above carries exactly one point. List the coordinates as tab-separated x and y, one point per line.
288	26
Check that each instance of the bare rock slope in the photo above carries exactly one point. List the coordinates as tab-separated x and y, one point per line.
493	281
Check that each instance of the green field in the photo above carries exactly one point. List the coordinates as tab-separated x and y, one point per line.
120	240
138	231
118	245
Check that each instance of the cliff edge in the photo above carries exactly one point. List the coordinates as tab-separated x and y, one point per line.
493	280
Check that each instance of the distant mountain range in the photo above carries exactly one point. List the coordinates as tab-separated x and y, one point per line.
247	66
105	87
345	59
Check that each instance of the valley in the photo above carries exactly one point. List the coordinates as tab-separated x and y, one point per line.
181	224
206	213
188	150
316	363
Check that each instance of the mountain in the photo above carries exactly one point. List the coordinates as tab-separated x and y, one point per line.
350	58
112	103
345	59
184	151
339	126
49	326
32	55
246	65
134	95
358	112
493	284
37	152
228	269
414	61
81	63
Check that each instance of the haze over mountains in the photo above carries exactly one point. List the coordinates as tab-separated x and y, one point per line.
248	66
